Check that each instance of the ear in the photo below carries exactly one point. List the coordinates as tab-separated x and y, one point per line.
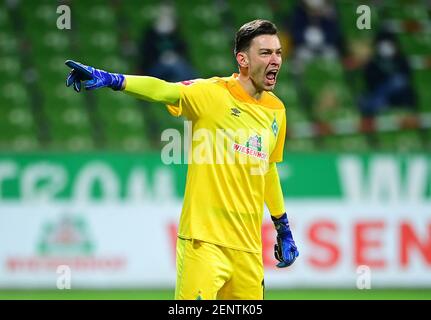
242	59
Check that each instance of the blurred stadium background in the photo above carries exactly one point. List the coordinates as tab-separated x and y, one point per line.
82	183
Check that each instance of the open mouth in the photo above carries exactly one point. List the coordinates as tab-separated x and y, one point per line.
271	76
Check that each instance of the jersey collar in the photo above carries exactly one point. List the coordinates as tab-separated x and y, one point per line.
238	91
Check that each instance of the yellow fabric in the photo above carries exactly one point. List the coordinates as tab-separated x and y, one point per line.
152	89
207	271
273	194
223	203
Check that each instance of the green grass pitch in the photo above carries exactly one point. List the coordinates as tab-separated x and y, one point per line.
291	294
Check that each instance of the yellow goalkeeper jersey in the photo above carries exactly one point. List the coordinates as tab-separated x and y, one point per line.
234	137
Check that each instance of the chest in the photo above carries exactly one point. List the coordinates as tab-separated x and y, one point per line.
243	125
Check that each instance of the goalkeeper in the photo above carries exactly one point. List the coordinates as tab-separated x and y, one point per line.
219	247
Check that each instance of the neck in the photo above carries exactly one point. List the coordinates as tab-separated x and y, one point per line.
249	86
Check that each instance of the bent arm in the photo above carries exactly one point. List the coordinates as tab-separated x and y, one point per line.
273	194
152	89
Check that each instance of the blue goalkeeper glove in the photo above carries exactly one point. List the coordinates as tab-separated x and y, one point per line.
94	78
285	250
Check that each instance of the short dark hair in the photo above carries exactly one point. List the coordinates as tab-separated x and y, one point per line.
251	30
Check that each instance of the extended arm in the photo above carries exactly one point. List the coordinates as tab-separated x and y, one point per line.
285	250
143	87
152	89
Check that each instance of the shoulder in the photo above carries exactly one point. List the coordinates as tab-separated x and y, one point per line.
214	85
202	86
201	82
272	100
219	81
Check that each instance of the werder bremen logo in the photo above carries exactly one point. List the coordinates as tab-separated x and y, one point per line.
274	126
67	236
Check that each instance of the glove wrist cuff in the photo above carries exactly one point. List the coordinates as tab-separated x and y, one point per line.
282	225
117	81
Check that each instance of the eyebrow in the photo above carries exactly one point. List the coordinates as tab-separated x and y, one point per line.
268	49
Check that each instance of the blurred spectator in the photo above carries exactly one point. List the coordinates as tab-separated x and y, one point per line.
387	78
314	33
163	54
359	53
315	30
162	50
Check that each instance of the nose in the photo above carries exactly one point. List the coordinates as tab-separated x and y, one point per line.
275	59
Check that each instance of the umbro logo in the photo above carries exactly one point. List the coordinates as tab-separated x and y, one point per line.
235	112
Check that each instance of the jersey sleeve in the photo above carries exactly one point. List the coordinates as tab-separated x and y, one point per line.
277	153
152	89
195	95
273	193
